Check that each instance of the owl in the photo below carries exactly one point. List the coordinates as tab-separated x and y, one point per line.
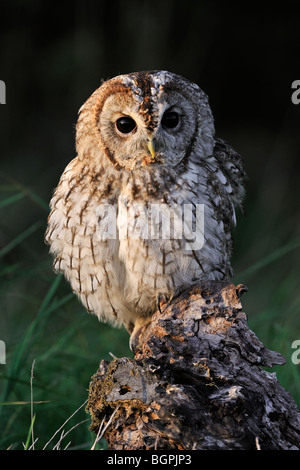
146	208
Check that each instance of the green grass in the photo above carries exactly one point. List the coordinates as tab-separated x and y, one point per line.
42	323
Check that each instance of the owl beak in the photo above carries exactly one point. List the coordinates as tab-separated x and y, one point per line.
151	147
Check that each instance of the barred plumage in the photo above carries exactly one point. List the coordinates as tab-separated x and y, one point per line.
107	197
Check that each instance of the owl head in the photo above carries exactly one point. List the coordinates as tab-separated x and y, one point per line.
145	119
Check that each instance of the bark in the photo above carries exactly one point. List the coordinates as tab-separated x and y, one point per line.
196	382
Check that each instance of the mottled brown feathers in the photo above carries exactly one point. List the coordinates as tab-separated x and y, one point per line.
116	226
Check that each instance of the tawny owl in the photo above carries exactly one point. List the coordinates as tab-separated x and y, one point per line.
147	206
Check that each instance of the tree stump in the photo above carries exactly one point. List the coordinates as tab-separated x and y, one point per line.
196	382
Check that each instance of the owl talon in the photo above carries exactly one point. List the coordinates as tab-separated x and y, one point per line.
139	329
162	300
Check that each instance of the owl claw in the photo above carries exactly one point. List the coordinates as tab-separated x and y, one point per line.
162	299
139	329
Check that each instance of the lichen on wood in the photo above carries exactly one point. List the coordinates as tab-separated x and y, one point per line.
196	382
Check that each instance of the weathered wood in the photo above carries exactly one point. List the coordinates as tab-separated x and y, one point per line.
196	382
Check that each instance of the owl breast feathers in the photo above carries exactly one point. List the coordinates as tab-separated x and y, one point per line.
146	208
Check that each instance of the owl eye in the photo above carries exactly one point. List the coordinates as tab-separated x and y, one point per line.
170	120
125	124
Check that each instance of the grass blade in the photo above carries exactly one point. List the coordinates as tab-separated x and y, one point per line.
29	433
11	200
23	347
20	238
23	402
62	426
274	256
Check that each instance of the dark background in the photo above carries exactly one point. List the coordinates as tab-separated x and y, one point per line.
53	55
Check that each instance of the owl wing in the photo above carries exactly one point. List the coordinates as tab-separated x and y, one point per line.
232	167
77	243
